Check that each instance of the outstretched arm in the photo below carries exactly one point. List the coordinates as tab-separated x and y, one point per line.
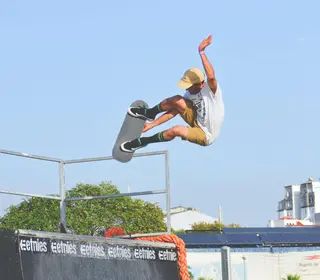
211	78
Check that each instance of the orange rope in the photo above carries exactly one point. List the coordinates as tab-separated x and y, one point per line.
182	253
167	238
114	232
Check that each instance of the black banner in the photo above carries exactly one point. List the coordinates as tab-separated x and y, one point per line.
95	250
61	259
31	257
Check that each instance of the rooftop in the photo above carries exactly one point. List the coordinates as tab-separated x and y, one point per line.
185	217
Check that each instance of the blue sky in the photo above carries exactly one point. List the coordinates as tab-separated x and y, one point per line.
70	69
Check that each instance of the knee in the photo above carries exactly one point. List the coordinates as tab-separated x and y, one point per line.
178	131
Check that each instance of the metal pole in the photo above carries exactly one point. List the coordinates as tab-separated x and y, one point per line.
63	215
116	195
244	268
168	193
19	154
30	195
81	160
225	263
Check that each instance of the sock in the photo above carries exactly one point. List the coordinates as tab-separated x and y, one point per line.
147	140
151	112
152	139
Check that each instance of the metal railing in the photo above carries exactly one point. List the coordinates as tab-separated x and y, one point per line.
62	190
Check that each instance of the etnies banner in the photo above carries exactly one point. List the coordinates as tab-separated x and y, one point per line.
95	250
34	256
60	259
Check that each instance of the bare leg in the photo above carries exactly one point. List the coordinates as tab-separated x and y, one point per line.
176	102
179	130
164	136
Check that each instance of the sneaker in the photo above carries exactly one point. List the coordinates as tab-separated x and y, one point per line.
126	147
139	112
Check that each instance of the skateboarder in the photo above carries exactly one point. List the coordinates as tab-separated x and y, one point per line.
201	107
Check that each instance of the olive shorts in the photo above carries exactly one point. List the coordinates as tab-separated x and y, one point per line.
195	133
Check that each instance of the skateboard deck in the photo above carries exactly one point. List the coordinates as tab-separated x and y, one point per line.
131	129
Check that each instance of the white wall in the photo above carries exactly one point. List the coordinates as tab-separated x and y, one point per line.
287	223
186	219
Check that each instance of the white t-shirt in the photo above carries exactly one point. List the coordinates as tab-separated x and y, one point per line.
210	110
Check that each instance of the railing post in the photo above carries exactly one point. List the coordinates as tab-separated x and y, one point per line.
63	215
225	263
168	193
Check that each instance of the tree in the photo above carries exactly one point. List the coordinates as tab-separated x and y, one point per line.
191	276
204	226
233	225
292	277
216	226
179	231
87	217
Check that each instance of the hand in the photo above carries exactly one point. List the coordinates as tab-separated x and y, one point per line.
146	127
205	43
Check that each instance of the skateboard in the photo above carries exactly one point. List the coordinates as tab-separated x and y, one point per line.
131	129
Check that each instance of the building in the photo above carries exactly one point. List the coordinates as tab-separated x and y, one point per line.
289	222
300	206
290	205
182	218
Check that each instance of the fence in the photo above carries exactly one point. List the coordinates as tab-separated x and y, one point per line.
248	263
251	253
62	190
